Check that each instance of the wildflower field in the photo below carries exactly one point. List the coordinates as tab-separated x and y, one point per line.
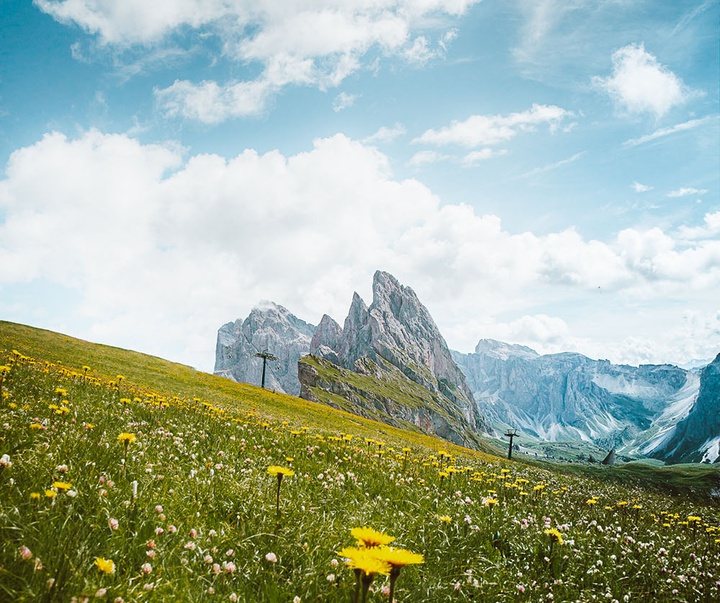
127	478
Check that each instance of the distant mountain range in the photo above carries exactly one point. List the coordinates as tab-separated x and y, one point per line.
389	361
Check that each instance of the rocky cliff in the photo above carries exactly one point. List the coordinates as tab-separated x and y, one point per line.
697	436
268	327
393	347
569	397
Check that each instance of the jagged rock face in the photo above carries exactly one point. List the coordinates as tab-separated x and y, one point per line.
268	327
327	339
396	330
569	397
697	436
383	393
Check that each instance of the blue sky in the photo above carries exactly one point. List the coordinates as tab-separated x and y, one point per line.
542	172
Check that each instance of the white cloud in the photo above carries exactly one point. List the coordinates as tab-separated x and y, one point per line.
686	191
160	249
475	157
710	228
640	84
539	331
482	130
425	157
662	132
210	103
134	21
343	101
318	43
641	188
420	51
553	166
385	134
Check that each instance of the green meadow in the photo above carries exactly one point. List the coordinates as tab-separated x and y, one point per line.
125	478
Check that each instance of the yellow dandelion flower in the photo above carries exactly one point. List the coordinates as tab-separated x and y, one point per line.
592	501
280	471
34	495
365	560
50	493
36	426
444	518
398	557
369	537
63	486
106	566
126	438
555	535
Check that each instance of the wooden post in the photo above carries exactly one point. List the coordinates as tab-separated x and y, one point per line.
511	434
265	355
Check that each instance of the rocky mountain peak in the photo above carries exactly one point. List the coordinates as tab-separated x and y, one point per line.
269	326
502	350
697	436
398	331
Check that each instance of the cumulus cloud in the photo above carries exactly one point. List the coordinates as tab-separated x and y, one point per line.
640	84
710	228
488	130
318	43
159	249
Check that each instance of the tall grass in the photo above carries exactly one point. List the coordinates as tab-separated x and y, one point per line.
185	509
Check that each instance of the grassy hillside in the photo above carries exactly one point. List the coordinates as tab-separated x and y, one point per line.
128	478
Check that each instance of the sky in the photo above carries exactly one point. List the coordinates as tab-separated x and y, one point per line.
542	172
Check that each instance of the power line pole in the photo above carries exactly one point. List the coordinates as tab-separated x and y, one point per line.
265	355
511	434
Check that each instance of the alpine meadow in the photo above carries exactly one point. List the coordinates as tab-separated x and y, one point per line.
129	478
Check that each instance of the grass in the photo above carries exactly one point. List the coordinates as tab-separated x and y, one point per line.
162	477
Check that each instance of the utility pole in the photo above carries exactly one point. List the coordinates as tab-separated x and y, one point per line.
265	355
511	434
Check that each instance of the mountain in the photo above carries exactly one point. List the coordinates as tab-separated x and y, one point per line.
390	360
697	436
569	397
270	327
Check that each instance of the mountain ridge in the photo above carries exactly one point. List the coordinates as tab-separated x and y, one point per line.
562	397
